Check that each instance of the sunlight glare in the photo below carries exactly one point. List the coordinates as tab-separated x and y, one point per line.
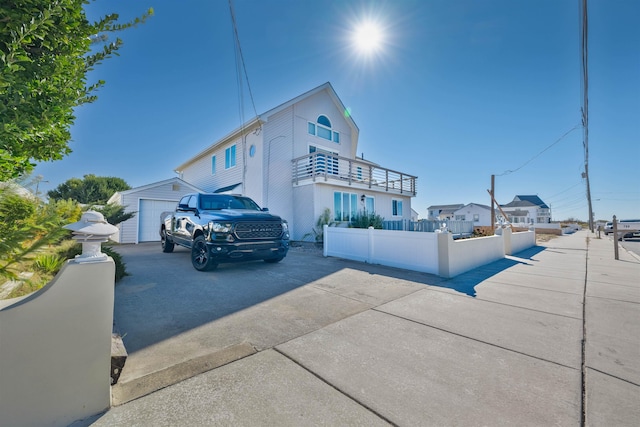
368	37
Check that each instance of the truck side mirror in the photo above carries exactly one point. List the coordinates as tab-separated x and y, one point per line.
265	209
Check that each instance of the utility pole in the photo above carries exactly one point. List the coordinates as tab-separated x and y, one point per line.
493	208
585	104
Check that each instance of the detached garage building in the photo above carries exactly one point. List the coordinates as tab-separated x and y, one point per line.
149	201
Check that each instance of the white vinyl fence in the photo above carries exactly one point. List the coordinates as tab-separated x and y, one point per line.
435	253
402	249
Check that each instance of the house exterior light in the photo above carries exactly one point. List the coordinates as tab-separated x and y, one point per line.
92	230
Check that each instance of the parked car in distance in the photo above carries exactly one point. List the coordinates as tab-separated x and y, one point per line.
608	228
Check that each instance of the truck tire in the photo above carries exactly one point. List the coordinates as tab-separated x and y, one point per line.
167	245
200	255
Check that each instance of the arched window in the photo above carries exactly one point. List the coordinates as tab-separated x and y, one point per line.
322	129
324	120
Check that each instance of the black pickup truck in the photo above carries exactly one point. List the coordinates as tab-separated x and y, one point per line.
221	228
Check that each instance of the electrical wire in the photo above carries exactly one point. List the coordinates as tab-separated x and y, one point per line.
510	171
240	59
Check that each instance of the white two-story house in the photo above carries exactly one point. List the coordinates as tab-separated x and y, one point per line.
527	210
298	159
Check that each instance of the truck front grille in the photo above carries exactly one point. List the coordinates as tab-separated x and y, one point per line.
258	230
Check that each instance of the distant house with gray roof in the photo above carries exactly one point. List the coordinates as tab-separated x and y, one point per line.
527	210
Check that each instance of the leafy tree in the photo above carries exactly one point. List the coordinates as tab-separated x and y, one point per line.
89	190
45	54
114	214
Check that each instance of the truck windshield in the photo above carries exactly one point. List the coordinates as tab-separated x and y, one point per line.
217	202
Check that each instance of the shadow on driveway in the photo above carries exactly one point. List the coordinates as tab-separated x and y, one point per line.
164	296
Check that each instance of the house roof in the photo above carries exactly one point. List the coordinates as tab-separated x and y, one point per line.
445	209
227	188
255	123
533	199
175	180
478	205
519	204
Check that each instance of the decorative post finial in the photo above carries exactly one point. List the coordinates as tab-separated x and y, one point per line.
92	230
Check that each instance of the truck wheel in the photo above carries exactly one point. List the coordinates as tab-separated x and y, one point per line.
167	246
200	256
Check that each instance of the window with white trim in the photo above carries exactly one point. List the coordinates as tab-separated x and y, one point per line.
230	157
213	165
345	205
322	128
396	207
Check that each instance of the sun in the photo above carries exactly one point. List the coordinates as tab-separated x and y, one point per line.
368	37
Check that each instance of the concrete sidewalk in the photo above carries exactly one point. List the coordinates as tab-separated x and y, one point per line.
510	343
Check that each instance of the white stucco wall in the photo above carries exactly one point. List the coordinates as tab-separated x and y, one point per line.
55	348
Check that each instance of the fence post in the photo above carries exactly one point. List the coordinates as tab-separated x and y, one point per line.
615	237
506	239
370	245
325	239
444	239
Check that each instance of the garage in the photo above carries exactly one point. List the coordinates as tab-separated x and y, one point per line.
148	202
149	218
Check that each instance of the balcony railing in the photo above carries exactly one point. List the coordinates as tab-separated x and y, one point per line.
351	171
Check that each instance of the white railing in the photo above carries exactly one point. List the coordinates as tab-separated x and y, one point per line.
349	171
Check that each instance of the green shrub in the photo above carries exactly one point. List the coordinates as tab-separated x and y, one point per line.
48	263
121	270
318	231
363	219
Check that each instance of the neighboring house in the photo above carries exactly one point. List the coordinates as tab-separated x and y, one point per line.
529	210
441	212
415	216
298	159
149	201
479	214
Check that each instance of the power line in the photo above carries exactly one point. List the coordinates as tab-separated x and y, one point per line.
563	191
240	61
507	172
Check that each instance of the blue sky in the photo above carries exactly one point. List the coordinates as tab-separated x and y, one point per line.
459	90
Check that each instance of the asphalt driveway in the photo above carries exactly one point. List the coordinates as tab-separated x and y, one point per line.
169	314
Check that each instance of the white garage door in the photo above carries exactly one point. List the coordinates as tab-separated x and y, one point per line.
149	218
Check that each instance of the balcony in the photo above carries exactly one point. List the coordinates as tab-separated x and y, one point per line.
352	172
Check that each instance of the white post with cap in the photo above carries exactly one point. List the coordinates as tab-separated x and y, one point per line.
92	230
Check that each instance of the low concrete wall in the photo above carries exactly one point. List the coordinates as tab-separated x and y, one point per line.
521	241
55	348
467	254
402	249
435	253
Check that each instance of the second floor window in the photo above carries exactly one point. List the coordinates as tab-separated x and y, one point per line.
323	129
213	165
230	157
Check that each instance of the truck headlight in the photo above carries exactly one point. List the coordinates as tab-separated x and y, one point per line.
218	227
285	229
